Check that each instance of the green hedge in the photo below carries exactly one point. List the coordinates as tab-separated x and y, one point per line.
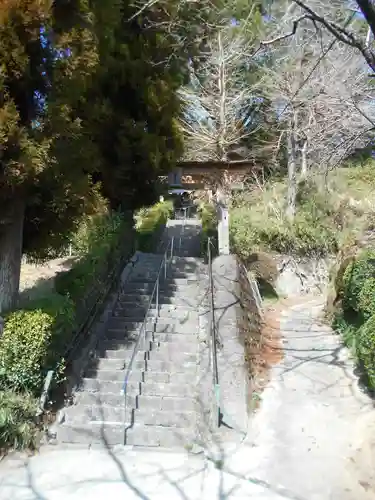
149	224
366	350
355	319
208	216
33	342
355	277
101	242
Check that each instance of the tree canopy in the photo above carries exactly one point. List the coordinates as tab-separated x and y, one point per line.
88	108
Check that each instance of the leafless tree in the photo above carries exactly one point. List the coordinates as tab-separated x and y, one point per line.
323	98
217	100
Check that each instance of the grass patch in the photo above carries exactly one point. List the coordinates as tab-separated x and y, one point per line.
327	218
17	421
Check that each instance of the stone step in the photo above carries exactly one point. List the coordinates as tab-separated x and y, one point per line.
152	435
143	300
171	353
164	418
141	362
150	274
92	433
150	366
142	306
186	340
94	410
121	327
108	381
167	312
165	287
158	344
111	407
148	388
156	351
170	281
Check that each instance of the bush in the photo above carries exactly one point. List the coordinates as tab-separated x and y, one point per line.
355	276
102	242
207	214
33	341
149	222
337	275
366	299
98	234
356	320
17	421
325	219
366	350
347	324
250	233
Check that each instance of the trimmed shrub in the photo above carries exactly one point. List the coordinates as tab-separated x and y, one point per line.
356	320
17	421
355	276
102	242
339	275
207	214
366	299
33	341
366	350
149	222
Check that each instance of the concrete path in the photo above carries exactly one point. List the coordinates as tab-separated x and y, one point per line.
302	444
309	429
73	474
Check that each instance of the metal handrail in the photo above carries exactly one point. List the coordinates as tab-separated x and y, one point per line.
213	332
182	231
143	331
77	339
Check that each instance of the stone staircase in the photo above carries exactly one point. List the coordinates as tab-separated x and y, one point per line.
161	403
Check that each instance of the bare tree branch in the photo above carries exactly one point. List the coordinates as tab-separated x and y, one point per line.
344	35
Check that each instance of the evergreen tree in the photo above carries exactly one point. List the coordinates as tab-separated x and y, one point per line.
130	110
46	51
85	93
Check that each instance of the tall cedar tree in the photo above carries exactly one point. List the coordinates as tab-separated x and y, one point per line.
130	111
35	37
84	92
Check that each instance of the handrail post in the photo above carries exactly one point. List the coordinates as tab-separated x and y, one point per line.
165	267
157	297
215	374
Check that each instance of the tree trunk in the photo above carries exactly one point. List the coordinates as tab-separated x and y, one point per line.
11	236
292	178
304	160
221	148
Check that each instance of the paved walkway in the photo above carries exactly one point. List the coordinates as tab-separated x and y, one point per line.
302	444
309	429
